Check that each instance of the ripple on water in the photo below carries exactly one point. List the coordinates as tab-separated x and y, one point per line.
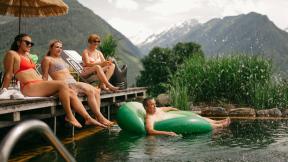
242	141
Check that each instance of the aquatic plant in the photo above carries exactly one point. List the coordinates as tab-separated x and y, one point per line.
239	79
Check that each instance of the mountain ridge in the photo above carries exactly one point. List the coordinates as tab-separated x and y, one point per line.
250	33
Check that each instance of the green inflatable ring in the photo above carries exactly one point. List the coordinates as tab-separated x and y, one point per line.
131	118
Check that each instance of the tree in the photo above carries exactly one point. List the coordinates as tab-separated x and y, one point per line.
160	63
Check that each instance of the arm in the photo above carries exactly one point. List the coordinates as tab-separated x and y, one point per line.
8	68
168	109
101	56
150	128
104	62
85	58
45	65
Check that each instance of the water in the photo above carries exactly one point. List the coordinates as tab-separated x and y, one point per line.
250	140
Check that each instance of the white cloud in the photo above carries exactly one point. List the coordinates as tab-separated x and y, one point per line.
169	7
125	4
129	28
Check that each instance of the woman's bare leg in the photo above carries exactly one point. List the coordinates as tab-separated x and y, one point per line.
103	79
109	71
98	113
50	88
93	98
80	109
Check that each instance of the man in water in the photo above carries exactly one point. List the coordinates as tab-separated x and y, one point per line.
154	114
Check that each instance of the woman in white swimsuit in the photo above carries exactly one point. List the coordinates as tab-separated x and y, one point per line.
94	62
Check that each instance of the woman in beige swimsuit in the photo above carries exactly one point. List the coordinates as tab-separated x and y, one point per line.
94	62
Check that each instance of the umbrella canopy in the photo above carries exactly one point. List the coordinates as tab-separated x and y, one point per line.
32	8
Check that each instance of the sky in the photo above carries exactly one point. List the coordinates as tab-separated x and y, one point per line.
137	19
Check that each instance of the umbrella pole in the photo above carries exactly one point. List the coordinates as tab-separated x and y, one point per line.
20	13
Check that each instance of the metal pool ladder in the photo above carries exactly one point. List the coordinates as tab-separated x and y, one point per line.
31	125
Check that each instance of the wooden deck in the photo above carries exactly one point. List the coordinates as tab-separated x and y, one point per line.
14	111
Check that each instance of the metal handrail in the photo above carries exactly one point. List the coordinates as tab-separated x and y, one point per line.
31	125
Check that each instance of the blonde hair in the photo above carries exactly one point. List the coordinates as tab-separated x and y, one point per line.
93	37
51	44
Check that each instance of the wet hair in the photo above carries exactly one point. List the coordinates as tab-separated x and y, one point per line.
51	44
17	39
145	101
93	37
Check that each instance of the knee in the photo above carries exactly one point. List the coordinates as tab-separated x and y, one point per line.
112	67
63	86
72	94
90	91
96	91
98	67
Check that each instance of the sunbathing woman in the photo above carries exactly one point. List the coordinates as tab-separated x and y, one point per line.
53	65
94	62
18	63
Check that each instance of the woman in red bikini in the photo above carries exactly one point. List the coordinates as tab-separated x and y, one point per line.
17	62
94	62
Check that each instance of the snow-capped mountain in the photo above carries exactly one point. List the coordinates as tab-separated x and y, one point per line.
172	33
250	33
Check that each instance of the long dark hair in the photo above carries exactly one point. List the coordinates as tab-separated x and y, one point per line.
17	39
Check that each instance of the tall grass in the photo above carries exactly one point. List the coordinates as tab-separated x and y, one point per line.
270	95
179	96
239	79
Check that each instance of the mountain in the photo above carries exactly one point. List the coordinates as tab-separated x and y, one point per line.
286	29
250	33
168	36
73	29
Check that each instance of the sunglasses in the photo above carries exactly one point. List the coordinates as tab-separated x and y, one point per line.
28	43
96	41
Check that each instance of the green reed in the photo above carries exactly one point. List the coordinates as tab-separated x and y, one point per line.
239	79
179	95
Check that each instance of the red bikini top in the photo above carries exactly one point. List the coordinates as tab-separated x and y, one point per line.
25	64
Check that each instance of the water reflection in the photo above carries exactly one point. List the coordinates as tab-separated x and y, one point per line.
250	134
244	140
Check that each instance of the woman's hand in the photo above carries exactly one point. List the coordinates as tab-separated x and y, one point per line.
106	63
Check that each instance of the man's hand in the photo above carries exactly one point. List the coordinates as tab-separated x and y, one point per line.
172	134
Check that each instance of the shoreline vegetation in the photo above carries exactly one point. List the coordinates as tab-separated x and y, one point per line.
187	77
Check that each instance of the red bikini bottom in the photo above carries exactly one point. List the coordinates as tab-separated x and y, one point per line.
22	85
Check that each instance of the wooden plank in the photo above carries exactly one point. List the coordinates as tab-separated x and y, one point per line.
15	107
27	106
16	116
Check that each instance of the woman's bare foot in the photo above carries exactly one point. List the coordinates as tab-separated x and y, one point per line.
112	88
73	122
106	122
91	121
102	86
